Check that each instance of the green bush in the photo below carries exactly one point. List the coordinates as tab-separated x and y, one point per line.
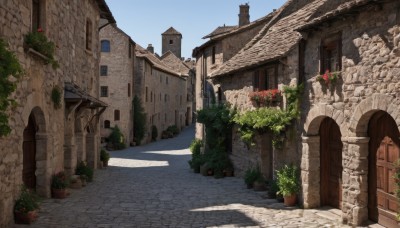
139	120
116	138
84	169
154	133
173	129
27	201
288	180
104	155
197	158
38	41
251	175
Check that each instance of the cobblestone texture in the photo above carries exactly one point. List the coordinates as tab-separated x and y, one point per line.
152	186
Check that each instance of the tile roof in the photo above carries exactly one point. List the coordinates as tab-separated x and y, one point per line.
171	31
340	10
275	40
175	63
220	30
156	62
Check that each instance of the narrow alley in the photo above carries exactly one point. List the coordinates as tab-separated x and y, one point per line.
152	186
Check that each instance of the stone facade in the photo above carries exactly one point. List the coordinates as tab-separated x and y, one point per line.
56	138
368	84
119	82
162	91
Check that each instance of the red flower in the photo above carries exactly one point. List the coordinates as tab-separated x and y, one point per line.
40	30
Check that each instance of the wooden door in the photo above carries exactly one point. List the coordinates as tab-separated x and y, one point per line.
331	164
384	151
29	154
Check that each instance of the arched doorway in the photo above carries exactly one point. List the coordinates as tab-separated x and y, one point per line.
383	152
330	164
29	154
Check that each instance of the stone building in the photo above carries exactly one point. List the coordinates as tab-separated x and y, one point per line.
172	41
116	81
186	70
162	91
350	126
224	42
46	139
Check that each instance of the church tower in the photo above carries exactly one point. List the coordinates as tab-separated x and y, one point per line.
172	41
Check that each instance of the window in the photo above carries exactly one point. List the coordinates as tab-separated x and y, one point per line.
151	96
129	89
171	42
103	91
331	54
146	93
180	100
105	46
130	50
213	55
36	9
116	115
103	70
107	124
165	98
89	31
266	78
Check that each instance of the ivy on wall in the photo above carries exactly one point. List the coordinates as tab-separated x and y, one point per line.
270	119
10	70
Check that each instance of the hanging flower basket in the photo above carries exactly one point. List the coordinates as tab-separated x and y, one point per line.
329	78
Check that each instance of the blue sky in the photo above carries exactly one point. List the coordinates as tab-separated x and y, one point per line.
145	20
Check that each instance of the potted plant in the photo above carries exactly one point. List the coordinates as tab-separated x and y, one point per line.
26	206
259	183
104	157
250	176
84	169
59	183
288	184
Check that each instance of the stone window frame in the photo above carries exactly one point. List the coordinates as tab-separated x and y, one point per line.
103	70
103	91
107	124
263	80
330	47
105	46
89	34
117	115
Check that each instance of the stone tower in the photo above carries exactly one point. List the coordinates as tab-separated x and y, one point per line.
172	41
244	15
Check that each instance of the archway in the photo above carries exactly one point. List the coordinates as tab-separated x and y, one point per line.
384	150
330	164
29	154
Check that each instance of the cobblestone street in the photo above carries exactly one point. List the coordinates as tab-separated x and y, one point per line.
152	186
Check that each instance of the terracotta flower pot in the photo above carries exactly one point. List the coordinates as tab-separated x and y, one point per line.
25	218
290	200
59	193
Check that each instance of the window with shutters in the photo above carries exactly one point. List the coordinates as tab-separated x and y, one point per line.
266	78
331	54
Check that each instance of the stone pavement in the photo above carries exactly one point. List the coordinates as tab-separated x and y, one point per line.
152	186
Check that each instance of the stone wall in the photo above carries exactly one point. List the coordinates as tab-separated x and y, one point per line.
120	76
64	24
368	83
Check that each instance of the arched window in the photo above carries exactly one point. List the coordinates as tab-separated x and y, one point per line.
116	115
106	124
105	46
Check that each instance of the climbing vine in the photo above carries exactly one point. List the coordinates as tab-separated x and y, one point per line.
10	70
270	119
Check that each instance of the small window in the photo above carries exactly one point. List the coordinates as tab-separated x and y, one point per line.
107	124
266	78
151	96
129	89
180	100
130	50
116	115
105	46
146	94
331	54
103	70
171	41
89	31
103	91
36	9
213	55
165	98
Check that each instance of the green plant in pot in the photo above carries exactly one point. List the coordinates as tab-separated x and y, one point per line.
26	206
250	176
84	169
59	183
288	184
104	157
259	183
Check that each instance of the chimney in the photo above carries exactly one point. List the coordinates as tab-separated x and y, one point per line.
150	48
244	16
